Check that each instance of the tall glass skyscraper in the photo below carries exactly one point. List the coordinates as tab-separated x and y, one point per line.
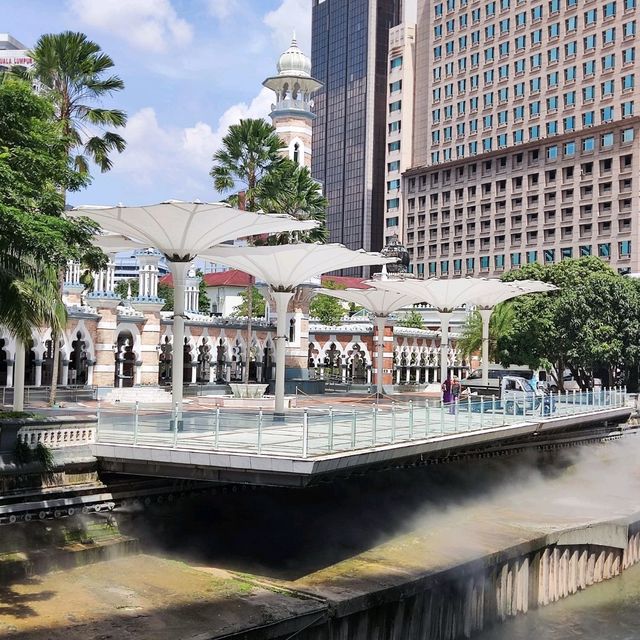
349	56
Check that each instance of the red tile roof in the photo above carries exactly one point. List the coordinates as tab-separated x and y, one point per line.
230	278
236	278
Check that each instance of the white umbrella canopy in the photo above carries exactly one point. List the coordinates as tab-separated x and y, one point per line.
446	295
182	230
115	243
286	266
283	268
381	303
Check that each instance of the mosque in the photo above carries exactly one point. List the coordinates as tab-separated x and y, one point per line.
110	342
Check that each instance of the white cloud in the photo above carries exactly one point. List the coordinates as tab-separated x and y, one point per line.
151	25
290	16
173	162
222	9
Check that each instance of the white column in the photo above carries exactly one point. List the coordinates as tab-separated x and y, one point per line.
282	299
38	376
380	326
179	272
65	373
445	317
485	314
9	373
18	377
90	366
110	275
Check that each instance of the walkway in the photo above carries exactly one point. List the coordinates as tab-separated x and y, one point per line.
314	441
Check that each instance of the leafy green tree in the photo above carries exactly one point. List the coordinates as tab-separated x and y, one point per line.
35	239
72	71
250	150
289	188
327	309
592	322
471	340
258	305
411	319
204	302
165	291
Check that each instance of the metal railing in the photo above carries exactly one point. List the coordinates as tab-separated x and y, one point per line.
67	393
315	432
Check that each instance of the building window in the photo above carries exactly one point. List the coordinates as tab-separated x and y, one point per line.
627	135
606	140
395	106
566	253
395	86
609	10
396	63
627	109
552	152
484	263
532	256
608	62
606	114
549	256
585	250
569	149
628	82
588	144
604	250
624	248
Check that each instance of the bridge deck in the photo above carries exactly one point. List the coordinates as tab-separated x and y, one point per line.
224	444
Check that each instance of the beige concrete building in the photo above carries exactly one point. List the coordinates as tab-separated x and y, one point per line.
525	135
399	129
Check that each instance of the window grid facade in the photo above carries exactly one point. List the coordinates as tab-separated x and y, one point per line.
501	210
556	78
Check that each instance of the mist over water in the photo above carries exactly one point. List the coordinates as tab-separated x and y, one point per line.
290	533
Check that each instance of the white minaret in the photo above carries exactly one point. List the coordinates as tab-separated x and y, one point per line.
292	113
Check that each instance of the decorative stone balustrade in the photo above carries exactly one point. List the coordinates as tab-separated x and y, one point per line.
58	436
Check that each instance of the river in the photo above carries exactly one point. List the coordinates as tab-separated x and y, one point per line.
414	520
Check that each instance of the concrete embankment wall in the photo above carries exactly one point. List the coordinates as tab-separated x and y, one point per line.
461	601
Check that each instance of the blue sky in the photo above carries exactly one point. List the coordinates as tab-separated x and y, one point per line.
191	68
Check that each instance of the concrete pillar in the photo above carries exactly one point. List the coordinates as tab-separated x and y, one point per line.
179	271
282	299
485	315
18	377
64	379
90	365
445	317
38	373
103	370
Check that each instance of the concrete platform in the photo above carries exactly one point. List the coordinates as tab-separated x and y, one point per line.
189	456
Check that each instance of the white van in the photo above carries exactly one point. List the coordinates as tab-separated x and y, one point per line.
473	383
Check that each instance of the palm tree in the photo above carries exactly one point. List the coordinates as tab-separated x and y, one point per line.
250	150
290	189
499	325
70	69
